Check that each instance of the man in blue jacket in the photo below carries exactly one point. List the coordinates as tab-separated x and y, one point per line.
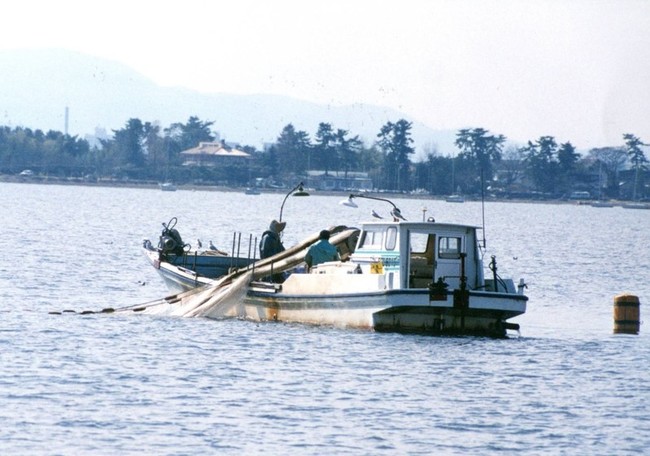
321	251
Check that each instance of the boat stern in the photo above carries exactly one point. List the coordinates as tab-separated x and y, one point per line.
455	313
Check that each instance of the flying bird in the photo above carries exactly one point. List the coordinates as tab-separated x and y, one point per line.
397	215
375	215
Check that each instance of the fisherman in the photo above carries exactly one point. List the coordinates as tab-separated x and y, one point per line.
321	251
271	244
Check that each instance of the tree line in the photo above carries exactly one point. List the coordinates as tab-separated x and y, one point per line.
143	151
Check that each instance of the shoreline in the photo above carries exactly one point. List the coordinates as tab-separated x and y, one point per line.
218	188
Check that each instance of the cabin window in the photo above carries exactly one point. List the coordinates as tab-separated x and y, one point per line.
449	247
371	239
391	238
419	242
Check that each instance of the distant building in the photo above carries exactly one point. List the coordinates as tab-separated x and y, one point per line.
338	180
213	154
96	139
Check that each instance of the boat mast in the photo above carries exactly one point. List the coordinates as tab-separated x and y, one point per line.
453	174
483	206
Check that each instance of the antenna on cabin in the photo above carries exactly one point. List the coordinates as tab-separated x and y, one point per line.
67	116
483	205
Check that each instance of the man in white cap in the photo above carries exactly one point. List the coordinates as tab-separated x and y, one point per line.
271	244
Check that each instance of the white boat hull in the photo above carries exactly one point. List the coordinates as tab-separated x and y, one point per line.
389	283
455	199
414	310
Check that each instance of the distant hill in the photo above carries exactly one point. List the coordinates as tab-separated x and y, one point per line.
37	85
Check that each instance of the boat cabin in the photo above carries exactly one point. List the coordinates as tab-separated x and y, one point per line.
415	255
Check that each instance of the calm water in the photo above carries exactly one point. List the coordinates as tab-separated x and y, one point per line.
106	384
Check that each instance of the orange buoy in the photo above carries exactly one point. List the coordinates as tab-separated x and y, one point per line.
626	314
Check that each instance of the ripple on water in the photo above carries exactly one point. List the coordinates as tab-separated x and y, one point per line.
114	384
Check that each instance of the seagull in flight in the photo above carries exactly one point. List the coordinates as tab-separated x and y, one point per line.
397	215
375	215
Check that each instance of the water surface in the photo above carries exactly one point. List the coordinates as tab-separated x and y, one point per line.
108	384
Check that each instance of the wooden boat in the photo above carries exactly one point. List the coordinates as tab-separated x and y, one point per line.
183	267
423	277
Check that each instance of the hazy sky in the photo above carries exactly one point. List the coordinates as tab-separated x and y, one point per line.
577	70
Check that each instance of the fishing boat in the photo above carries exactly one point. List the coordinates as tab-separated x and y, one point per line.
455	198
394	275
602	183
184	267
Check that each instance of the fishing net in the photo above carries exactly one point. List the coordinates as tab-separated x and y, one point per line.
224	297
